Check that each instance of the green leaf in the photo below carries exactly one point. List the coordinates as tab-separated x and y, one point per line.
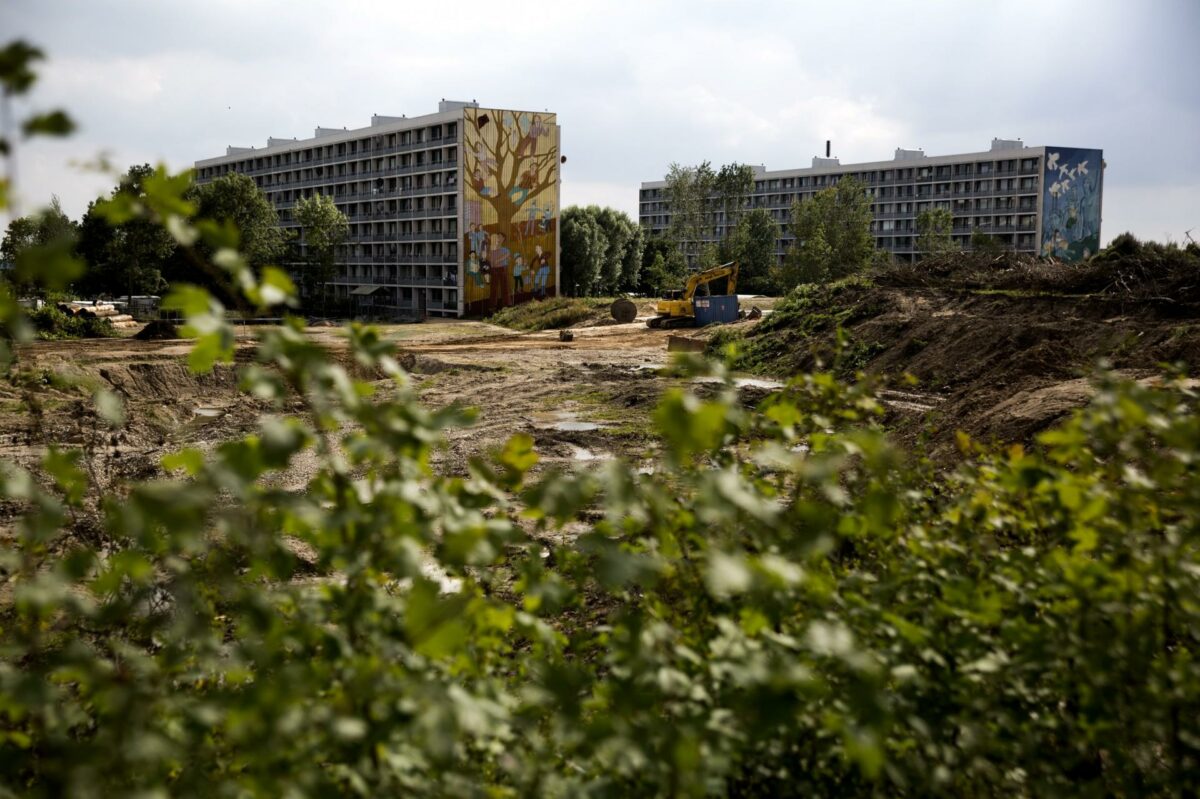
189	300
433	622
53	265
190	460
110	407
55	123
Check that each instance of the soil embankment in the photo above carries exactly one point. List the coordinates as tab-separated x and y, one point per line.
1000	364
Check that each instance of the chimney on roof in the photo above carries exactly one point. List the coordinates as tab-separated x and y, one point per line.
828	145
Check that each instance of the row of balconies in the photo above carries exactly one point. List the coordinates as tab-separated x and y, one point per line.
871	180
364	175
347	157
395	280
342	199
433	235
373	215
423	213
398	259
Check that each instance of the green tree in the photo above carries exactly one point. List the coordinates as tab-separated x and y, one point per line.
832	236
623	253
324	229
753	247
733	186
584	247
631	268
690	197
128	257
235	199
934	227
985	243
619	235
665	272
51	228
662	266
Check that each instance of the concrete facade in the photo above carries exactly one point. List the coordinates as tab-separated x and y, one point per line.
1002	192
400	183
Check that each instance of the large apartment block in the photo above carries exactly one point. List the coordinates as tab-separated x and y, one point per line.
450	214
1036	200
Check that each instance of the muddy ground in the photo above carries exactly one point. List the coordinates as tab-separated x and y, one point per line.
582	401
998	367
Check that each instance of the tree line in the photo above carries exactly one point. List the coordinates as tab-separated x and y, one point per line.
125	255
713	221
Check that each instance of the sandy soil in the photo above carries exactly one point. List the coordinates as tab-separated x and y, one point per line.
582	401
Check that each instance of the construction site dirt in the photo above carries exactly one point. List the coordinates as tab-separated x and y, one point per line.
587	400
998	367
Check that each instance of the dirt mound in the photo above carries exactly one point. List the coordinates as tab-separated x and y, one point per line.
1128	269
158	330
1000	366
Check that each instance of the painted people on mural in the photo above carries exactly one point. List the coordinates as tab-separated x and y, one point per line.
541	271
483	159
519	272
480	183
519	192
478	238
511	202
530	138
475	270
498	275
531	216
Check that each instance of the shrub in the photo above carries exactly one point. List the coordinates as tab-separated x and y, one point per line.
52	323
549	314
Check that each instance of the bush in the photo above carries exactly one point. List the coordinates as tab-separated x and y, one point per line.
51	323
549	314
1126	269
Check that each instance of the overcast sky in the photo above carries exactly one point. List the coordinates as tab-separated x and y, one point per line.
636	85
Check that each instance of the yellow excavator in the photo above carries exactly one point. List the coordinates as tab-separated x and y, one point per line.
678	308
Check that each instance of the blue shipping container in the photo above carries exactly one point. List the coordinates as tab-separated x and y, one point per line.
716	310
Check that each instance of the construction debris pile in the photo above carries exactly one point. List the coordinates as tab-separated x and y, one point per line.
98	310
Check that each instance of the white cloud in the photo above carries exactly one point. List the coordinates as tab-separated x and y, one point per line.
636	84
598	192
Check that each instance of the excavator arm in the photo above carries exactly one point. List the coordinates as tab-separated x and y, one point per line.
699	279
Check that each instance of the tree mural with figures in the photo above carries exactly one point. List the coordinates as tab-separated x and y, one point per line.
510	215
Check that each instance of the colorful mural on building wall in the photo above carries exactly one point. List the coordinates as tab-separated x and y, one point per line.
510	207
1071	193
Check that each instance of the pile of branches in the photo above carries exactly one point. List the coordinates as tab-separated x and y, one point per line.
1126	269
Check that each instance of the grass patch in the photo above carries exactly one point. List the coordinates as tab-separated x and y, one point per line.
550	314
809	311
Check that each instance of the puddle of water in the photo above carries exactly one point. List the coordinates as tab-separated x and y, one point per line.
210	413
563	421
584	454
574	427
754	382
745	382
